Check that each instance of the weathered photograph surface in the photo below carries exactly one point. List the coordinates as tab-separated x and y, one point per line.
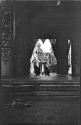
40	62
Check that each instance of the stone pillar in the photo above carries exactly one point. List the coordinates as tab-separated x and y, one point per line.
76	57
62	56
6	40
6	63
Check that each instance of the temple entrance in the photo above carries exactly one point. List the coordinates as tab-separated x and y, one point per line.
43	61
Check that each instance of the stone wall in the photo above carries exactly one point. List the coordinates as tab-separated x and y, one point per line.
46	20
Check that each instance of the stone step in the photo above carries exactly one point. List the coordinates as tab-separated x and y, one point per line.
42	87
47	89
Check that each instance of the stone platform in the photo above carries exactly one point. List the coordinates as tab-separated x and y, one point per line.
55	85
40	101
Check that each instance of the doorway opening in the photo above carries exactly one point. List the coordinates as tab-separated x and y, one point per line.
69	57
43	61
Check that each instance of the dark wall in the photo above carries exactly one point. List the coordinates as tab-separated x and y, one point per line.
47	20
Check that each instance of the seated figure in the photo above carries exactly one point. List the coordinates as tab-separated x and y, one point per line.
47	71
36	69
